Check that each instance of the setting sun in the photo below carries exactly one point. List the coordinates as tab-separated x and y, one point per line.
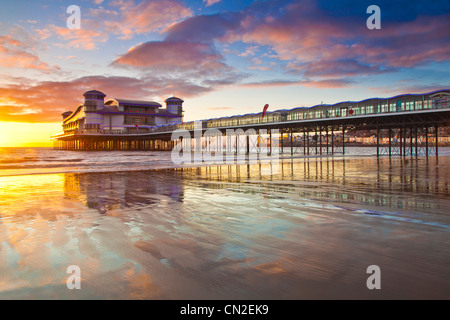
25	134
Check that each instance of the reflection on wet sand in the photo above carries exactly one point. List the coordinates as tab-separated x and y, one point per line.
361	181
308	230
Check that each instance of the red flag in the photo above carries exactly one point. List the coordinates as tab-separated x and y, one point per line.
265	109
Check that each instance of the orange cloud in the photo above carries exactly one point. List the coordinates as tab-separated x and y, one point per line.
84	38
45	101
17	54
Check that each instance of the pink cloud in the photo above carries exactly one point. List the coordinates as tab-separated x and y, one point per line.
85	38
408	44
194	64
146	17
210	2
324	46
170	56
17	54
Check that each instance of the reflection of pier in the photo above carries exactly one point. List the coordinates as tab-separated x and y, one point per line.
107	192
409	123
342	180
392	183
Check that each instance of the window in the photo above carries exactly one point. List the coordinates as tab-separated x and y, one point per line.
129	120
133	109
418	104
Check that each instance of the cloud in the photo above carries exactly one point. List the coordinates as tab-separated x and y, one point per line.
336	68
187	56
205	28
26	101
408	44
43	33
328	83
210	2
15	53
325	43
173	57
146	16
190	67
123	18
51	98
85	38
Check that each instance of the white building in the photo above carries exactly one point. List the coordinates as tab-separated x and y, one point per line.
120	115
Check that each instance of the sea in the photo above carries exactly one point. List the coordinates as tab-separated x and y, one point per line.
135	225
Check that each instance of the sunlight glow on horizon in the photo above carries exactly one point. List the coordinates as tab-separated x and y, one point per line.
25	134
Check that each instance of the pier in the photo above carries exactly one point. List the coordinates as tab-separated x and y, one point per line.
404	125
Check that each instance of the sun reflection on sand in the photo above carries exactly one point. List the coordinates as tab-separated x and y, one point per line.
227	232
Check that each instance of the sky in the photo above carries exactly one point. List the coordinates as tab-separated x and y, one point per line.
222	57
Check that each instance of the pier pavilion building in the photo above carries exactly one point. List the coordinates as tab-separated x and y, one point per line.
120	116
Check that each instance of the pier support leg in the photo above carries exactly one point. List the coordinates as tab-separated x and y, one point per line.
320	140
248	144
316	139
343	140
307	136
400	141
332	141
292	143
270	141
436	128
416	129
390	144
378	142
411	141
404	142
304	142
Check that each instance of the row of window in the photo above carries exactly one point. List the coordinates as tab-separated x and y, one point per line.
341	110
138	109
173	103
138	120
94	96
92	126
70	126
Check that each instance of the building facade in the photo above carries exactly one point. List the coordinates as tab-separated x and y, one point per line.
120	116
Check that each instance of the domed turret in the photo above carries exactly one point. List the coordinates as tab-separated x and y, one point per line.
174	105
94	94
93	101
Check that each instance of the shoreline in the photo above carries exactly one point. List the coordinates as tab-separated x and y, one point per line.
282	159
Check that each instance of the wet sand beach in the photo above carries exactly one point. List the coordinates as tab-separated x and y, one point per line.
308	231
